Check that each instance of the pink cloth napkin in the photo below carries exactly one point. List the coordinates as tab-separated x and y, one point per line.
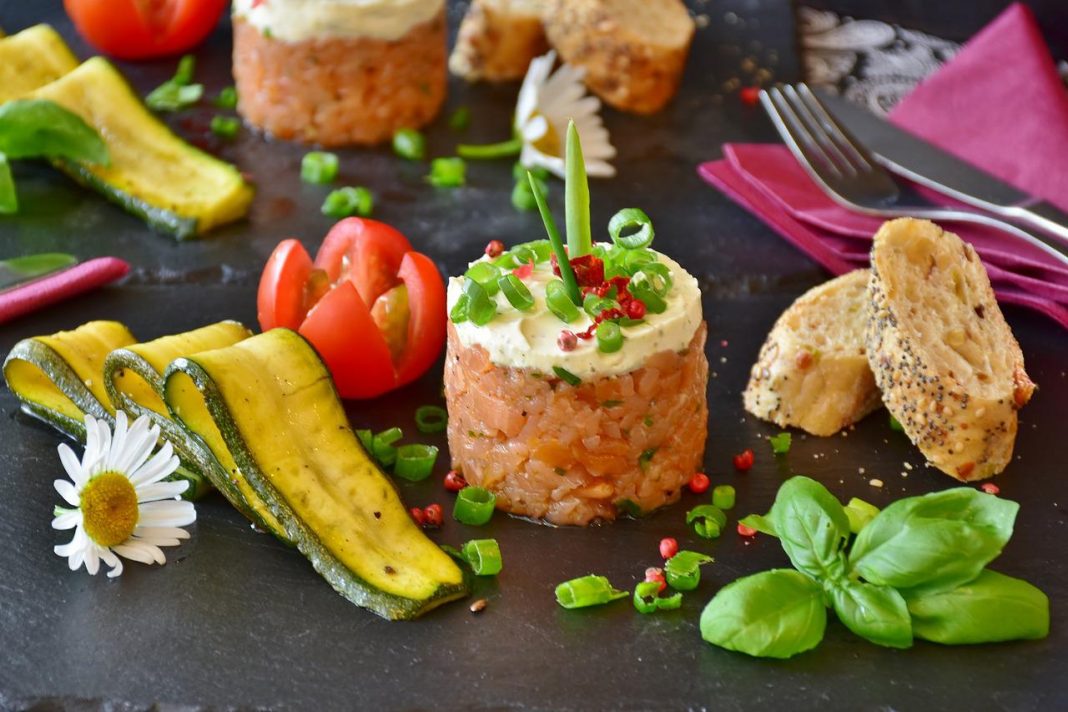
999	105
20	300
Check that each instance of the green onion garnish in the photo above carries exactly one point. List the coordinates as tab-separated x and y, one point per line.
520	173
609	337
594	305
484	556
576	196
653	276
347	201
683	570
566	273
410	144
318	167
780	444
516	292
184	73
382	446
171	96
458	313
587	591
225	126
227	98
486	274
480	308
895	425
415	462
654	303
504	149
632	260
474	506
647	598
460	119
431	419
366	438
566	376
447	172
559	302
523	196
637	222
723	497
647	455
707	520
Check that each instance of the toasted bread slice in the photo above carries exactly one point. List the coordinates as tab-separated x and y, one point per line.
634	51
498	38
948	365
812	372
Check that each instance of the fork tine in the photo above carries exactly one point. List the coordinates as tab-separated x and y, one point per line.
796	135
838	133
820	132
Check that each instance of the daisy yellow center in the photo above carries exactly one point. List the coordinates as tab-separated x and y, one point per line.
549	144
109	508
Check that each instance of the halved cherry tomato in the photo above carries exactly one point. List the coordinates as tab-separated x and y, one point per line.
140	29
372	307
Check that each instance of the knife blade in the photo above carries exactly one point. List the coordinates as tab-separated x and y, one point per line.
927	165
19	270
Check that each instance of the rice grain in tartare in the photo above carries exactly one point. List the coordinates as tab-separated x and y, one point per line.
336	72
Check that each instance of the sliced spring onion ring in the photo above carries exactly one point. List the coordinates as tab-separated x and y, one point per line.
683	570
410	144
382	446
707	520
480	308
486	274
225	126
367	439
723	497
647	598
318	167
474	506
458	313
431	419
516	292
587	591
638	222
348	201
654	303
566	376
227	98
594	305
447	172
559	302
609	337
484	556
415	462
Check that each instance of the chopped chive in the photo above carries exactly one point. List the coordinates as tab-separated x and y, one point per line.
504	149
587	591
480	307
484	556
707	520
566	376
227	98
382	446
366	438
683	570
410	144
609	337
780	444
460	119
447	173
225	126
576	196
647	598
519	172
559	303
458	313
415	462
486	274
431	419
474	506
723	497
522	197
646	457
637	222
895	425
318	167
348	201
566	273
183	75
171	96
516	292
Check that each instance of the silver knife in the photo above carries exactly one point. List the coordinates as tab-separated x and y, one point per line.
927	165
19	270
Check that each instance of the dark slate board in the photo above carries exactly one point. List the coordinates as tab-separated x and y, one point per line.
237	620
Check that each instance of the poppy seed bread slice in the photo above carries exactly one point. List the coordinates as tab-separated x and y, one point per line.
948	365
812	371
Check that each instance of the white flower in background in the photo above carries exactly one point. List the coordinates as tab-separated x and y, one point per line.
121	507
546	103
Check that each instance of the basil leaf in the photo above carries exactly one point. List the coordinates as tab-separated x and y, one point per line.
760	522
36	127
934	542
876	613
812	527
992	608
9	202
773	614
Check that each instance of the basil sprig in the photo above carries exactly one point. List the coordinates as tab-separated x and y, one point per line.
917	569
37	128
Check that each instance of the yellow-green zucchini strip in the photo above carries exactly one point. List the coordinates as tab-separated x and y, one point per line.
32	58
268	410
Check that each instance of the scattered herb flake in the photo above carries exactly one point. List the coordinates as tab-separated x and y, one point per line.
780	444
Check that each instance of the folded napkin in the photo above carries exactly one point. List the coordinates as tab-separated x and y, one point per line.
999	105
23	299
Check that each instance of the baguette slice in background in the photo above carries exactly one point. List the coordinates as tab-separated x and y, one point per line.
498	38
948	365
812	372
634	51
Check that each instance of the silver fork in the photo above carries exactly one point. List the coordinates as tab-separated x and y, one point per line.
850	176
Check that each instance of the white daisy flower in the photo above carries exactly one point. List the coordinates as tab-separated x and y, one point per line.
545	105
121	506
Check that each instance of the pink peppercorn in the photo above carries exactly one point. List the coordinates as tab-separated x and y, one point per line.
567	340
494	248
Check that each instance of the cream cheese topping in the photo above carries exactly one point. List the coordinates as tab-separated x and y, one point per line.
518	339
299	20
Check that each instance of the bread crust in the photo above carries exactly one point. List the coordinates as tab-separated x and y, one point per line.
497	39
951	371
627	70
812	372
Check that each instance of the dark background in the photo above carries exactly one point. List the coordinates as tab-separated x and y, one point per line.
235	619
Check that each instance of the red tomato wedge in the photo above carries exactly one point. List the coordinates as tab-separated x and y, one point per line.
371	306
140	29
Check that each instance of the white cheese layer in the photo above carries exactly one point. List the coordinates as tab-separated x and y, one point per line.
528	339
300	20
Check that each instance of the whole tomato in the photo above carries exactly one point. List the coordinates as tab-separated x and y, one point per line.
141	29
